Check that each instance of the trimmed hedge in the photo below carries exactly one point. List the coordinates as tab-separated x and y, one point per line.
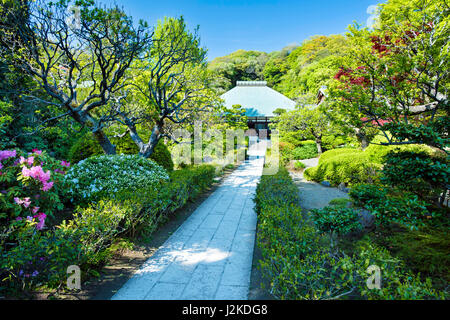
299	264
337	152
87	147
41	259
350	168
378	153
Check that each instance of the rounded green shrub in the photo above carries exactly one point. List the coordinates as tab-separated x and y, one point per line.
84	148
337	152
336	220
349	168
87	146
104	176
377	153
306	151
331	142
161	155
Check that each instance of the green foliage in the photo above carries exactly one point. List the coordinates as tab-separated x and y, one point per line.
425	250
388	206
349	168
397	282
276	190
305	122
339	202
337	152
307	151
299	165
417	173
238	66
336	220
377	153
161	155
332	142
86	146
37	259
104	176
89	238
299	264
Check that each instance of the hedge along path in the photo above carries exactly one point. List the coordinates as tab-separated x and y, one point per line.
313	195
210	255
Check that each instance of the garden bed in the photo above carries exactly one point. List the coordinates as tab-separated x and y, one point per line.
125	262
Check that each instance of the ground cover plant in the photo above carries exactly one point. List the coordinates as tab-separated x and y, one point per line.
300	263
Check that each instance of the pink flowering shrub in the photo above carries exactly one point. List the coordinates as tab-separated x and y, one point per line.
30	188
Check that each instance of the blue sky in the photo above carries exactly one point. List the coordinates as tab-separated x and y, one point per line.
229	25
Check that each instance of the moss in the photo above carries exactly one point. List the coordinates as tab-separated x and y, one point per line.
426	250
339	202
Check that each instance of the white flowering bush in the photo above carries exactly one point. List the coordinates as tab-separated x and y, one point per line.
105	176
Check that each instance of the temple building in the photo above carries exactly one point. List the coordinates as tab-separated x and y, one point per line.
259	101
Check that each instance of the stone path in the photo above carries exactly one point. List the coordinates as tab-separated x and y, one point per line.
210	255
314	195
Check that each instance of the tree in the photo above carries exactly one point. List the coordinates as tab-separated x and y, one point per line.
171	86
78	57
239	66
397	76
305	121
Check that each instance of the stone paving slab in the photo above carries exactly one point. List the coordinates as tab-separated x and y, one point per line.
210	255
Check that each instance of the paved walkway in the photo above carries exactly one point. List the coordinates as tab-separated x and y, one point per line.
314	195
210	255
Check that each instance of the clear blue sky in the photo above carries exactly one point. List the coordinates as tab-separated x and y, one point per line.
229	25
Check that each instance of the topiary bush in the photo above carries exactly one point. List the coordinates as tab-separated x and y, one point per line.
337	152
161	155
377	153
349	168
84	148
330	142
104	176
87	147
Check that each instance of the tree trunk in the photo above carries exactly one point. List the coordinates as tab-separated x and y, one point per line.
319	145
104	142
362	138
153	141
85	119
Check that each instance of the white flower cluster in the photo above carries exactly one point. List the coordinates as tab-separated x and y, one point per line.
103	176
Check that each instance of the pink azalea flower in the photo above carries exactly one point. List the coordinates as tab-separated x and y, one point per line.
26	172
5	154
60	171
37	151
65	163
35	209
25	202
1	166
41	216
47	186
